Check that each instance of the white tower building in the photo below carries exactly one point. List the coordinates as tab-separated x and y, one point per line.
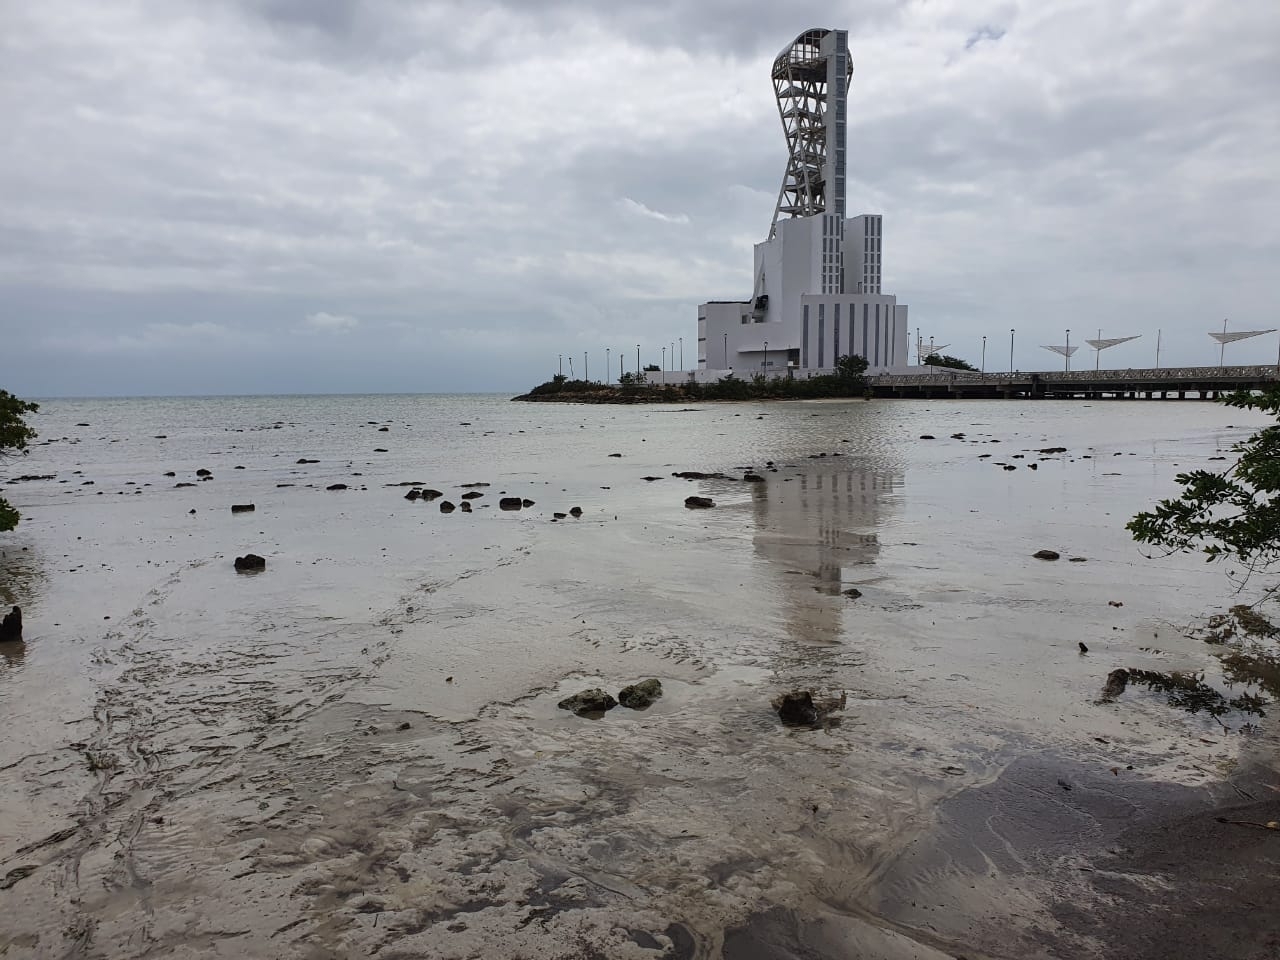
816	283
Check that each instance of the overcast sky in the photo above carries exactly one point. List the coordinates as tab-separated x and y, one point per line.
274	196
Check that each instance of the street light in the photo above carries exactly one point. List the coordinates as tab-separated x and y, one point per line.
562	364
681	339
664	364
1158	332
607	368
1011	351
984	356
637	361
1066	357
726	351
764	364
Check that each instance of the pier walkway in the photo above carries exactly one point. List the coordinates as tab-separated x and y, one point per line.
1170	383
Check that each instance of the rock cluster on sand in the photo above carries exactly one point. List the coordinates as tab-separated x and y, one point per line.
636	696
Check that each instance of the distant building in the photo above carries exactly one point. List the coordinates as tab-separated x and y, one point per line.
816	286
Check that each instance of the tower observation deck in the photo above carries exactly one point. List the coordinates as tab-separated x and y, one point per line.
811	83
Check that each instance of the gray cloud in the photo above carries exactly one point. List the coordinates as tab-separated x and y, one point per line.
259	195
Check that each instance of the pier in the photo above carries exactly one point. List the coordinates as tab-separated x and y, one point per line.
1172	383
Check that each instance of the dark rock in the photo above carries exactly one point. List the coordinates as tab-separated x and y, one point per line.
242	508
305	460
465	506
651	479
615	454
695	475
510	503
384	429
1033	466
588	702
640	695
1078	560
379	449
1010	466
465	486
1052	450
752	478
853	593
699	503
1083	648
11	626
250	562
170	473
204	473
336	486
927	436
405	726
429	495
447	506
575	511
413	495
1046	554
1117	680
801	708
526	502
177	485
472	494
559	516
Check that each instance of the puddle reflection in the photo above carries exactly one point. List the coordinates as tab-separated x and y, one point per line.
819	527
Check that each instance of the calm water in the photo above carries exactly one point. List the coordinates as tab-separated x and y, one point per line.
224	753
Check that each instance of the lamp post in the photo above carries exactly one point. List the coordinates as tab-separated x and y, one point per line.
1066	360
984	356
681	339
1223	351
919	344
726	351
664	364
1011	351
764	364
562	364
1158	332
637	361
585	374
607	368
1097	355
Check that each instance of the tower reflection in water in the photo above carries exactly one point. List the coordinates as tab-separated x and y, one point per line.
818	525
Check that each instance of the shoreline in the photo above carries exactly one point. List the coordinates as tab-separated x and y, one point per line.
376	757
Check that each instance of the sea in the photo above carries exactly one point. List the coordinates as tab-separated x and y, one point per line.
358	749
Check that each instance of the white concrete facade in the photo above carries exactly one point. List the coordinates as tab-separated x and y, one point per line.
816	282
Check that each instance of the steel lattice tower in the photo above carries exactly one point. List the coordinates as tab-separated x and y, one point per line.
811	82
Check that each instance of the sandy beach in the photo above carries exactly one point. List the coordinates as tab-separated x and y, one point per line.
358	751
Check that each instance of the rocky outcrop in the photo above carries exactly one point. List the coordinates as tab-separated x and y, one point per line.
804	708
11	626
593	701
1117	680
640	695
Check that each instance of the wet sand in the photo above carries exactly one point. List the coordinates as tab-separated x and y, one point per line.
358	750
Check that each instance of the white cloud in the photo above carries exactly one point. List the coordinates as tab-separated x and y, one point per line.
635	206
333	322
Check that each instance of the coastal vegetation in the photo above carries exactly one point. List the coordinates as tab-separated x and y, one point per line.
946	360
1230	514
849	380
15	434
